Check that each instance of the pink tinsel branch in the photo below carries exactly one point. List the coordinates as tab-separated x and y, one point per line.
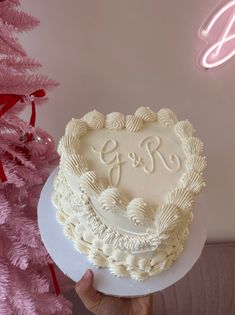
20	20
9	44
4	280
21	65
23	302
5	209
17	84
9	3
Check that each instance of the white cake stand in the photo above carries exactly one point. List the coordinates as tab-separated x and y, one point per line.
74	264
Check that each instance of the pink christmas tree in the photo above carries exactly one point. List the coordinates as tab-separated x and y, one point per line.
27	155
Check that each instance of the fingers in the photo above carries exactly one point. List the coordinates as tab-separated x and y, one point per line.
149	303
143	305
148	299
86	291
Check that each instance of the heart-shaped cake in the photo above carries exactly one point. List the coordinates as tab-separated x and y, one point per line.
126	187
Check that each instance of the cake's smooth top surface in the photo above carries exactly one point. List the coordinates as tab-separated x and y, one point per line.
130	183
148	163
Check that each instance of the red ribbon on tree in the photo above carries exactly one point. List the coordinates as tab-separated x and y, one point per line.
54	279
9	101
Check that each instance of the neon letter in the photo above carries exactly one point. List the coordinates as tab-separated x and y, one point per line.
221	48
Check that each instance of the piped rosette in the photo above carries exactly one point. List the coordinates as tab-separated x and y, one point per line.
139	211
111	200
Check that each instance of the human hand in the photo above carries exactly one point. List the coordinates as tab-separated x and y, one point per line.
100	304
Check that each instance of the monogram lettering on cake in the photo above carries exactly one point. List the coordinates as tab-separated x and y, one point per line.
151	145
109	155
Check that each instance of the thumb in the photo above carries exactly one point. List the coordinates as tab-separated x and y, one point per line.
86	291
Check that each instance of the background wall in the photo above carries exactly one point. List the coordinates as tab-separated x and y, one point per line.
118	55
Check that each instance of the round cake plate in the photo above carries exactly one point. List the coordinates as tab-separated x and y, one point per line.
74	264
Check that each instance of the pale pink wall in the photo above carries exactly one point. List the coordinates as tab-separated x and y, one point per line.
117	55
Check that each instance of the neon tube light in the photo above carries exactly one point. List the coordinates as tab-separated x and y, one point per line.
221	46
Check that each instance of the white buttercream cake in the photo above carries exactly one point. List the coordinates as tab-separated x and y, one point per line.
126	187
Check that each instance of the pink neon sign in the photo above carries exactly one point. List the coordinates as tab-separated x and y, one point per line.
219	33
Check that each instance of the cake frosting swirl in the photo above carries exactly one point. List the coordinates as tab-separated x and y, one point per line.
115	121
